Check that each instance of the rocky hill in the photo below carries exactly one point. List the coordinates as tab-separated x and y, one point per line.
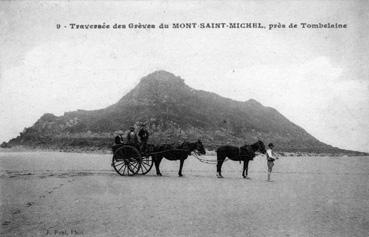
173	112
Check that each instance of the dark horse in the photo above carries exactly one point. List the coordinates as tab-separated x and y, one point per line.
171	152
244	153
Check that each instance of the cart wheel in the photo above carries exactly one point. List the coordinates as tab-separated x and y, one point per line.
127	161
146	165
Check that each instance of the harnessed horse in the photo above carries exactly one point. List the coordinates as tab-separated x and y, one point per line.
244	153
171	152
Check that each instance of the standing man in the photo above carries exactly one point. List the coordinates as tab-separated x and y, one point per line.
143	134
271	157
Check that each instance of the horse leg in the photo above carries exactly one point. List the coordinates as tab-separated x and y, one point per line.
220	160
245	168
157	161
180	168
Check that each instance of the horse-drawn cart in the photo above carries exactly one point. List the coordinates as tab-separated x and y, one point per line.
129	160
132	159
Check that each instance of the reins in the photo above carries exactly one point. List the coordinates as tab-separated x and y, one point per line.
206	161
211	161
196	154
169	150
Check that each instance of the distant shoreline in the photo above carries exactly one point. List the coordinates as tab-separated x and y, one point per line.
94	150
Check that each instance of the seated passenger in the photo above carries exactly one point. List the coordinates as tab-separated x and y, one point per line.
132	137
144	136
119	138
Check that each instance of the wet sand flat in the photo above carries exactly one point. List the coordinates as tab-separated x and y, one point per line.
74	194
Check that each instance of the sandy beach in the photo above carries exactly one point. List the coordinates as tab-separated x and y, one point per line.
74	194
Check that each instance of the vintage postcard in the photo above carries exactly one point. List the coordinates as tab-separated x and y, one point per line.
184	118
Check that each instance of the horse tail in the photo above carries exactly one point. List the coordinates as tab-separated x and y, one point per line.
221	154
219	149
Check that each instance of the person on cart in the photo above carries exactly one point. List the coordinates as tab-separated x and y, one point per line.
119	138
132	137
143	134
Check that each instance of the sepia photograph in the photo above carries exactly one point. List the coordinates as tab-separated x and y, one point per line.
184	118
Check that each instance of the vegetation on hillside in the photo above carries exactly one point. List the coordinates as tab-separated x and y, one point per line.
173	112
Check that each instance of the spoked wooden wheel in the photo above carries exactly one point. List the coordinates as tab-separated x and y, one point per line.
127	161
146	165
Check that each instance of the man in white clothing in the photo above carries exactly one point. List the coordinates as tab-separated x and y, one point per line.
270	159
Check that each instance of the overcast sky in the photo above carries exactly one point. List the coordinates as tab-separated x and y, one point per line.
317	78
